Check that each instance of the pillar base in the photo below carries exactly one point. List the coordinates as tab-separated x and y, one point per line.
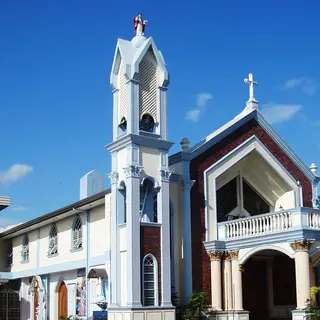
299	314
144	313
230	315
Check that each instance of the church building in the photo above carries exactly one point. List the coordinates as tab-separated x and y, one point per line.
233	216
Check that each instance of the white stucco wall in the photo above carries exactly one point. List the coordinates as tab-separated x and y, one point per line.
99	230
17	247
150	160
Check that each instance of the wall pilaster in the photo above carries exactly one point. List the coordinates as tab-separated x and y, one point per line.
114	284
132	173
164	219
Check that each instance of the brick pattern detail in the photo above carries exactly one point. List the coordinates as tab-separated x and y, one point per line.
201	266
151	243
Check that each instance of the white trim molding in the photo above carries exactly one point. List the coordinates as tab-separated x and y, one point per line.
225	163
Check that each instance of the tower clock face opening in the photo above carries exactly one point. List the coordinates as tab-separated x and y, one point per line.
147	123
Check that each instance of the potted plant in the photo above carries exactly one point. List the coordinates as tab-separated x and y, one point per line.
197	306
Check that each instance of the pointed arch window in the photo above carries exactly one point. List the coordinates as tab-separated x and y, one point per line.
25	249
77	234
150	280
53	241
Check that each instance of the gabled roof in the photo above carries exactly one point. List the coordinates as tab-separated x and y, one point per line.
232	126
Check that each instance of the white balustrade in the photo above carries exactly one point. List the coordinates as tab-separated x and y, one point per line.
261	224
314	219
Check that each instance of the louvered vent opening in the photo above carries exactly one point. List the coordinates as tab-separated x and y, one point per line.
123	94
148	93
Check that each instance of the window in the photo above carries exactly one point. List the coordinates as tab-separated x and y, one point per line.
77	234
10	255
252	201
150	278
25	249
227	199
53	241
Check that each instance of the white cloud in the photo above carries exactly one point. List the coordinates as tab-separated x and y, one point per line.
201	103
203	99
8	223
279	113
18	208
306	84
14	173
193	115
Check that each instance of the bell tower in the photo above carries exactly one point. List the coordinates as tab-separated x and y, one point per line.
140	277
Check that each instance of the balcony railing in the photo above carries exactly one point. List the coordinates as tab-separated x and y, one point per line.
305	218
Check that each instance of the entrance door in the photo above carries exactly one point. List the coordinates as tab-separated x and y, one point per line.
255	289
62	301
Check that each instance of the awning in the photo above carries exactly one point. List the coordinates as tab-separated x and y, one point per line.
98	273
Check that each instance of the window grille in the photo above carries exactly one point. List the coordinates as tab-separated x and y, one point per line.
77	234
149	281
53	241
25	249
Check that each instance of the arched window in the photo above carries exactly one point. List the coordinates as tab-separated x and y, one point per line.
10	255
150	280
77	234
53	241
25	249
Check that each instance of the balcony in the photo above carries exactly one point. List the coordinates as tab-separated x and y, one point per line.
276	226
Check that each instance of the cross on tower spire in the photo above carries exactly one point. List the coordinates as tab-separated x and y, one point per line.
252	103
251	83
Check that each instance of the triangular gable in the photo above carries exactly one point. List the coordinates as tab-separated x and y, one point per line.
235	124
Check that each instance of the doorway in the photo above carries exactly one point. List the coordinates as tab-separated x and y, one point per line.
62	301
269	286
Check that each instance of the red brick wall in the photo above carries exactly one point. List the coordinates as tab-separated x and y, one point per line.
150	243
201	263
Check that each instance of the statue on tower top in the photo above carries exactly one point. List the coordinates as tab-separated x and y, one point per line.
139	25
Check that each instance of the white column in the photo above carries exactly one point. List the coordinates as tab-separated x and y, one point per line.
270	286
216	288
302	267
133	236
164	219
227	279
236	281
187	248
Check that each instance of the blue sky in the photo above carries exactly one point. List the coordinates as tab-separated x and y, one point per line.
56	102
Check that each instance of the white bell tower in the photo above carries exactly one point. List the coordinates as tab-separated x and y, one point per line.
140	277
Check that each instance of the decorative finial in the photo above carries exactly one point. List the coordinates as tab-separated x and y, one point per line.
185	144
313	168
252	103
139	25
